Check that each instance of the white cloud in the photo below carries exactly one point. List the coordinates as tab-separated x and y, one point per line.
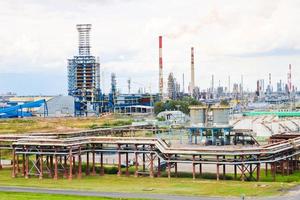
231	37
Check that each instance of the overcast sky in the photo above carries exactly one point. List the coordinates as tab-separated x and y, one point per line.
240	37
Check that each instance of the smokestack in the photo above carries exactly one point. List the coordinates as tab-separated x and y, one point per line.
84	39
183	83
290	78
192	70
161	81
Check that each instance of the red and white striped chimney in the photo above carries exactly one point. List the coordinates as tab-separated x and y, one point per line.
161	81
192	71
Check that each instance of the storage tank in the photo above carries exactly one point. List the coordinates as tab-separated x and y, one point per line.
220	115
198	116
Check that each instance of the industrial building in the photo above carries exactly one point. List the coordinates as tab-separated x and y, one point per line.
84	75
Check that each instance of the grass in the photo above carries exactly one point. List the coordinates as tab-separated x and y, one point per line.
173	186
38	196
59	124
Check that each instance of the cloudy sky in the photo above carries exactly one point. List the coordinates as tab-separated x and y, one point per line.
232	37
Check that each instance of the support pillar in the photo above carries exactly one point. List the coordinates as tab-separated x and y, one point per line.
79	164
169	166
101	164
119	161
87	170
224	170
136	164
13	175
176	170
17	163
243	169
200	165
218	169
71	164
258	172
41	166
151	163
26	166
158	167
93	162
127	164
23	164
235	169
65	167
55	167
194	170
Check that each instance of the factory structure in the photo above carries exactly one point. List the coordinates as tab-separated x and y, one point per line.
84	85
212	138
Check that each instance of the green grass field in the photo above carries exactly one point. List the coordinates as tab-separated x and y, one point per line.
59	124
37	196
174	186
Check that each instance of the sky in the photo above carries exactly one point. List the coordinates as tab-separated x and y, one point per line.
231	38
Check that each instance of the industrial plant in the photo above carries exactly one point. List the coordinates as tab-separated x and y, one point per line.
228	131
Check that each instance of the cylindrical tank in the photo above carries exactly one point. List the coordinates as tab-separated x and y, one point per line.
220	116
197	114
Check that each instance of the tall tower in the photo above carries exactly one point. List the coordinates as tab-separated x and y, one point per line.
84	39
192	71
84	75
161	81
290	78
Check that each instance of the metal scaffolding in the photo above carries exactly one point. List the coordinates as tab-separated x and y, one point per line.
60	155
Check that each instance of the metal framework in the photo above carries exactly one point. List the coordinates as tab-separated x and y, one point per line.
60	155
84	75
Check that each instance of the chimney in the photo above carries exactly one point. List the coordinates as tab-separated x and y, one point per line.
192	71
161	82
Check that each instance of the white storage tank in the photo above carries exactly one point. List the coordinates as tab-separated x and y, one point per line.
198	116
220	115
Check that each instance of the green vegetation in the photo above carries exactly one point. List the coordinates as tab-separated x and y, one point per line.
182	105
224	103
173	186
37	196
59	124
